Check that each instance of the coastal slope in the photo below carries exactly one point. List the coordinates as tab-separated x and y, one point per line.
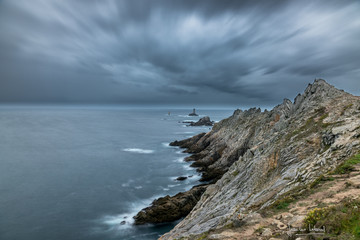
259	157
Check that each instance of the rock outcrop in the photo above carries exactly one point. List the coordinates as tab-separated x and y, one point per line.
257	157
204	121
168	209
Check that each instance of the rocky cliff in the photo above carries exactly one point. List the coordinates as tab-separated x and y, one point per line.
259	157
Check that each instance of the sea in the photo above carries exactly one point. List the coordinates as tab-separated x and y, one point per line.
71	173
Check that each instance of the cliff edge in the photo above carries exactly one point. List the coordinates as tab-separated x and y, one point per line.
259	157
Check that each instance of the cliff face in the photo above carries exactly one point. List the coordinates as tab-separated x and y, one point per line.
260	156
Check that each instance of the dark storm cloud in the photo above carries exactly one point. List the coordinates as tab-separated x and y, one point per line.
175	52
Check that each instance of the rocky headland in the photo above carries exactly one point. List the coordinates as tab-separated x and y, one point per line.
258	162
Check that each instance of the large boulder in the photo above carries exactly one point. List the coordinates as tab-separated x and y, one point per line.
168	209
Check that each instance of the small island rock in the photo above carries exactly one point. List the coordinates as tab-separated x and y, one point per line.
181	178
204	121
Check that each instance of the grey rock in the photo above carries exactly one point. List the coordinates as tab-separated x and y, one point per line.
181	178
255	157
168	209
266	232
204	121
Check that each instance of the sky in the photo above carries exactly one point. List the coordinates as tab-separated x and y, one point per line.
172	52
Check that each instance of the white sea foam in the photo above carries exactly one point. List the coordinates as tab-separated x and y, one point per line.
188	168
138	187
127	184
180	160
195	178
166	144
138	150
114	221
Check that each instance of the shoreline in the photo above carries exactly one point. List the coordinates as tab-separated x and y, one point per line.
172	208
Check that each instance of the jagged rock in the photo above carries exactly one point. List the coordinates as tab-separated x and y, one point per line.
262	155
204	121
122	222
190	143
328	138
168	209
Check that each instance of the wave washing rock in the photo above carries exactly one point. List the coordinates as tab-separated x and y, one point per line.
168	209
264	155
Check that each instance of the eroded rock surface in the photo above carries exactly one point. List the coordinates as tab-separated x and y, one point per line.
259	156
168	209
204	121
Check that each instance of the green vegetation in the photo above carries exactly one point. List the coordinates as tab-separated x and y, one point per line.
312	125
320	179
259	230
346	108
235	173
302	192
296	194
348	165
283	203
203	236
229	226
340	220
314	216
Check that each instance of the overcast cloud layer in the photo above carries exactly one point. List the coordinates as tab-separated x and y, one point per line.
188	52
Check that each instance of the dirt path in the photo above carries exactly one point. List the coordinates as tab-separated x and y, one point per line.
276	227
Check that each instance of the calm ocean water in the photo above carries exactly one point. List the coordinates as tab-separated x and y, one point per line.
76	173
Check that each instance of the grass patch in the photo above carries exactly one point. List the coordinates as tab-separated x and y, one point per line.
311	125
348	165
320	179
235	173
259	230
340	220
203	236
283	203
346	108
294	195
304	191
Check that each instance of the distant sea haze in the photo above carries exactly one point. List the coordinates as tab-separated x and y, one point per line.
77	173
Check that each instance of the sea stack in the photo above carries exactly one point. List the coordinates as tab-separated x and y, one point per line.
205	121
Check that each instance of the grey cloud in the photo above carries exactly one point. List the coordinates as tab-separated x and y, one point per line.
242	52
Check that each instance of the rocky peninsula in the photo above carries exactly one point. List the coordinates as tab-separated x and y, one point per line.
256	162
